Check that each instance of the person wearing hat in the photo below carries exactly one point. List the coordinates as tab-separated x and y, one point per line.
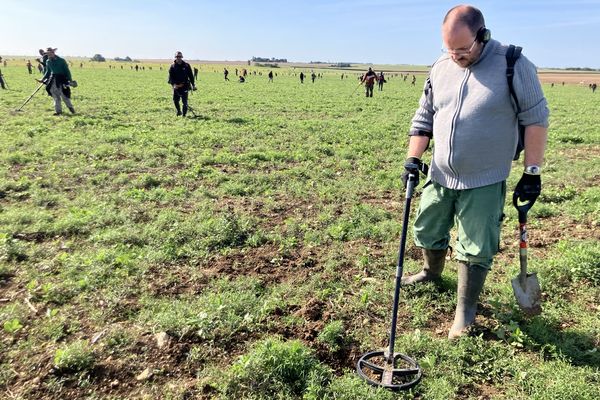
181	78
57	78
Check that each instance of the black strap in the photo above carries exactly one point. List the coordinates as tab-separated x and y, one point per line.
512	55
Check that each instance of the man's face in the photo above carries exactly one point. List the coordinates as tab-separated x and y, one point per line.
51	55
460	44
178	59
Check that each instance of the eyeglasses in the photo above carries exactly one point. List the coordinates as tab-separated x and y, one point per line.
179	57
460	52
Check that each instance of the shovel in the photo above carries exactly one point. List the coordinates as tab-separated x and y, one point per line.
526	286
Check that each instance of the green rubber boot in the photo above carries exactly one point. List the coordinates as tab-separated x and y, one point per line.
432	268
471	278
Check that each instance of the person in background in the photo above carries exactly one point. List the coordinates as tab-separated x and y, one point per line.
57	78
42	60
181	79
380	81
2	83
369	79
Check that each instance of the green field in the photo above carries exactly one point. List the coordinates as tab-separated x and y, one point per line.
262	236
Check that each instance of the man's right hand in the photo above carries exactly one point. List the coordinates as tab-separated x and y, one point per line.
412	166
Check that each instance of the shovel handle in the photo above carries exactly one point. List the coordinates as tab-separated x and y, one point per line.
523	207
523	252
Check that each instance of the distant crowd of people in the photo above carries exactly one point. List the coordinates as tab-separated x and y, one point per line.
182	77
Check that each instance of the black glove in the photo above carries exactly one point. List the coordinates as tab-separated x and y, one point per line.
412	166
528	188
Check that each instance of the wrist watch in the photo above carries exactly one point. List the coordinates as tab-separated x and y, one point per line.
533	170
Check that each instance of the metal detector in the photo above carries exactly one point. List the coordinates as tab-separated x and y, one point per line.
30	97
385	368
357	86
190	108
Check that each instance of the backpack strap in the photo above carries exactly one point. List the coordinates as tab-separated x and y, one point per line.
512	55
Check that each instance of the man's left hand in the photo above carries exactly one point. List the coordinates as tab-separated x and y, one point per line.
529	187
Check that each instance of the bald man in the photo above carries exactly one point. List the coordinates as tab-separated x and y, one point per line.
467	109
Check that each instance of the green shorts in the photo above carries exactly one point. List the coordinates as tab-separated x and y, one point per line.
478	215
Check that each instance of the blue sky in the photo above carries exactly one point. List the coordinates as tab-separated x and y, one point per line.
552	33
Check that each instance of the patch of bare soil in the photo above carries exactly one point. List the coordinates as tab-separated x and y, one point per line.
267	263
124	376
314	315
569	78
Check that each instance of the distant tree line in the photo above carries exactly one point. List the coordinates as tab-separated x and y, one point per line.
581	69
341	65
98	58
272	59
266	65
101	58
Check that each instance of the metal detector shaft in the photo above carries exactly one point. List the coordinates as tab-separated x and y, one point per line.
410	186
30	97
384	368
357	86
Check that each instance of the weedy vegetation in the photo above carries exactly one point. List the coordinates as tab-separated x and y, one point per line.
250	252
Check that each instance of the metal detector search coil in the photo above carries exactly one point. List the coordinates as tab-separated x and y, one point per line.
400	373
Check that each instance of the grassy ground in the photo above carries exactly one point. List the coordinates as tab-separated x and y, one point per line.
250	252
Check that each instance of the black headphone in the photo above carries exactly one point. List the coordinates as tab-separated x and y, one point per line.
483	35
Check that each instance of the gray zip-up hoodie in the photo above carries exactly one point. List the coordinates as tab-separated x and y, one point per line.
473	119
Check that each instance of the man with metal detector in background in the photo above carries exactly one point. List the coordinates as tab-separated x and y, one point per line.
181	78
369	79
467	109
57	78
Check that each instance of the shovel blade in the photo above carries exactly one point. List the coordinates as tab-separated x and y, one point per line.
528	294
